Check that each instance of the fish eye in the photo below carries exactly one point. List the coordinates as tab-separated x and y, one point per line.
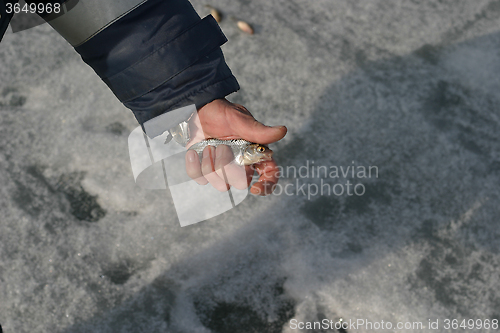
261	149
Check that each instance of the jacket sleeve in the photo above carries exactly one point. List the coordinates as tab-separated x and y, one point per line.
4	16
155	55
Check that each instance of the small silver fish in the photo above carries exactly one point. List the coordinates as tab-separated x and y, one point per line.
245	152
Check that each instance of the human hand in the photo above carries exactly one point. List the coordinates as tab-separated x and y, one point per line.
225	120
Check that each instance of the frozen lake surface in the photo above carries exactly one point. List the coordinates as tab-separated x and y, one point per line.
408	88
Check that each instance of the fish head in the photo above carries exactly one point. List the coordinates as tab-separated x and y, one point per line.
256	153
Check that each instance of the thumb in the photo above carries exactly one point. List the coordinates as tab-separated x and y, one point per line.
251	130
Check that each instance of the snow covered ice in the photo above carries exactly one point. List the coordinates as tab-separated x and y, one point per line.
411	88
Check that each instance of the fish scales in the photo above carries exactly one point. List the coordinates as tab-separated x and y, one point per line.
245	152
235	144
